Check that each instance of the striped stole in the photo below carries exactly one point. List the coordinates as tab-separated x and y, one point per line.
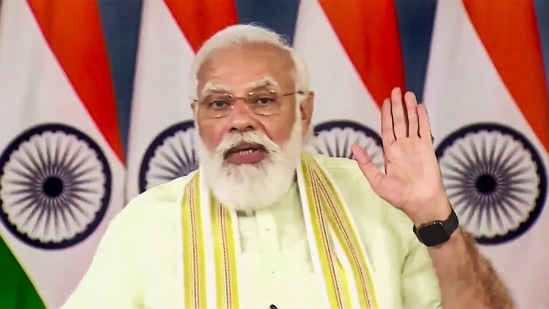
211	245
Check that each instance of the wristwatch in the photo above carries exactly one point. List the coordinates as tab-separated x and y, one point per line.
437	232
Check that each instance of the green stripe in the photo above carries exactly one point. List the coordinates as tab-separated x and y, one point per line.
16	289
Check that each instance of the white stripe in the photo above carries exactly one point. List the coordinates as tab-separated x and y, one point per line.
161	97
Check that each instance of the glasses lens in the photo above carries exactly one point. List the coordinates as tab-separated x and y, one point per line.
216	104
264	102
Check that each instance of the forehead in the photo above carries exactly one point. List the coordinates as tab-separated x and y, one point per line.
239	66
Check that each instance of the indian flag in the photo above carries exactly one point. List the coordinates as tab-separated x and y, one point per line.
365	64
487	100
61	167
161	143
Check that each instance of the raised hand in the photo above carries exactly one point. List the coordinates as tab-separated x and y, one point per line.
412	180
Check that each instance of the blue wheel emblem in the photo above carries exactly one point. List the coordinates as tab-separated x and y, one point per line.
495	180
55	186
335	138
170	155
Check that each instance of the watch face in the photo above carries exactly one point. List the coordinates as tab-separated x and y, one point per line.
433	234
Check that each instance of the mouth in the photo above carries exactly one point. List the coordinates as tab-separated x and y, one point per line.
245	153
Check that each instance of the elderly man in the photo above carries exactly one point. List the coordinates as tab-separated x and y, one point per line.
264	224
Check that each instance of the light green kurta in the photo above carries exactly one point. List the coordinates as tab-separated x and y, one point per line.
138	263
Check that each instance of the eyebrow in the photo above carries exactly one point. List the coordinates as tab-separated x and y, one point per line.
262	83
213	87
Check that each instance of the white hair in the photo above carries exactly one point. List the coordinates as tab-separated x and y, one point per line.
242	34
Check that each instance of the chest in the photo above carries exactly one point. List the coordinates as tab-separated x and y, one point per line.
283	276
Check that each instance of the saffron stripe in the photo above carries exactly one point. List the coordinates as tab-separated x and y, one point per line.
373	46
502	26
215	15
85	62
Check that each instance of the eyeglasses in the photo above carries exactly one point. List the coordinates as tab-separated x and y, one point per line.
262	102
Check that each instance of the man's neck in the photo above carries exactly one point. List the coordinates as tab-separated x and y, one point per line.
289	194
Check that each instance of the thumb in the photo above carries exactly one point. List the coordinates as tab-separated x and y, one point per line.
368	168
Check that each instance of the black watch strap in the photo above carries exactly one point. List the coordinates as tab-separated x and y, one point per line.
437	232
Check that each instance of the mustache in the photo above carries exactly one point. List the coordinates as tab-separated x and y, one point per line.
237	141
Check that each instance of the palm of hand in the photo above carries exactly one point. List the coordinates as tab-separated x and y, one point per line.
412	178
411	175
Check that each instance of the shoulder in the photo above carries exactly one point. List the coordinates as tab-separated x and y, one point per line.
386	232
158	203
367	208
344	172
335	162
164	193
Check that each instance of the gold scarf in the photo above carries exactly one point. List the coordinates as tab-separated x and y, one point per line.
210	275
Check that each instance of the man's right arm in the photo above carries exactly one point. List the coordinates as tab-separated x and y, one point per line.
467	279
109	281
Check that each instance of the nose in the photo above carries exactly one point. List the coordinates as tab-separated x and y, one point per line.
242	118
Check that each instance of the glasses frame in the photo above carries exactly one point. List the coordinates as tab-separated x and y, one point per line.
196	103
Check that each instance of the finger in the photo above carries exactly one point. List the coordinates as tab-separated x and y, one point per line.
411	111
368	168
387	133
424	125
400	125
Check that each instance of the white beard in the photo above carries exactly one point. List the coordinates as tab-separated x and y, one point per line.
249	187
